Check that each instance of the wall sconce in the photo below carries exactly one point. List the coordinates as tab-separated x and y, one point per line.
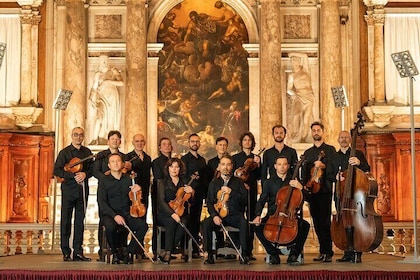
2	52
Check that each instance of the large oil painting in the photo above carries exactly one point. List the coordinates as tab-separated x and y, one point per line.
203	75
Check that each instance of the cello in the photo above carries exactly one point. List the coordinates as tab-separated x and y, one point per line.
356	226
282	227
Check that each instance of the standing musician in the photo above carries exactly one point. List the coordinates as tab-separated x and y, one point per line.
140	163
247	144
194	162
167	189
158	169
75	191
279	148
271	187
114	204
233	187
339	163
100	167
316	159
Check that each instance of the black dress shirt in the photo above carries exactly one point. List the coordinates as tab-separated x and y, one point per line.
196	164
65	156
340	161
166	191
113	195
269	159
238	197
101	164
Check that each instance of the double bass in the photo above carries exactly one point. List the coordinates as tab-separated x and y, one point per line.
282	227
356	226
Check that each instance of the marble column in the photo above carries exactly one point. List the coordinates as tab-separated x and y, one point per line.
371	53
75	66
270	71
379	20
330	67
136	61
26	55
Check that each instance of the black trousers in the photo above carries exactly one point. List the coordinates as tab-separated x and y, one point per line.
70	200
174	231
296	245
237	221
117	234
320	209
195	216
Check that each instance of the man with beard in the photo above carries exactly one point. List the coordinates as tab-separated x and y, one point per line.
279	149
316	158
336	166
194	162
235	189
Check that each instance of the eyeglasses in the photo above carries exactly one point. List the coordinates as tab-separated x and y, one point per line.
78	134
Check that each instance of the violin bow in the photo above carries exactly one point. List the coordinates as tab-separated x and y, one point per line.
138	242
233	243
191	236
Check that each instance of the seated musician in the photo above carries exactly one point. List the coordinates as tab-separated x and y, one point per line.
235	189
269	193
167	190
114	204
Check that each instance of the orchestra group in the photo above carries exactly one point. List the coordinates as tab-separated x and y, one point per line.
226	186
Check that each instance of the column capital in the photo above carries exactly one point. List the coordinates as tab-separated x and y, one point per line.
369	20
379	19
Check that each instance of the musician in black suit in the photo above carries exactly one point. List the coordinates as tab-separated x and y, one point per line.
340	163
75	191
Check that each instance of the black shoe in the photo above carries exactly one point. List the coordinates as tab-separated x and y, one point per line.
274	259
165	257
66	258
252	258
196	255
210	260
293	260
81	258
320	258
346	258
245	261
220	256
328	258
115	259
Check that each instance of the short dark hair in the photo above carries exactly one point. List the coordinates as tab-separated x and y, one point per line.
191	135
163	139
114	132
317	123
250	135
227	156
116	154
181	165
221	138
282	156
278	126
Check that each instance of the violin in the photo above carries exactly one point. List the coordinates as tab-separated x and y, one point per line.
137	208
221	204
124	169
314	184
249	165
282	227
178	203
75	165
